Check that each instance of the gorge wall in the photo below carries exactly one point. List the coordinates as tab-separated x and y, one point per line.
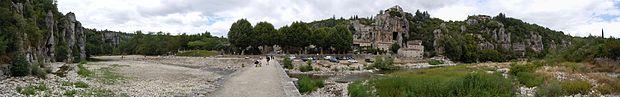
36	31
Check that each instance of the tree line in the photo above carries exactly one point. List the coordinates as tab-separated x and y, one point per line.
299	37
107	42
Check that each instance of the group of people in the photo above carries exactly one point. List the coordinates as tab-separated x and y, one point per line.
258	64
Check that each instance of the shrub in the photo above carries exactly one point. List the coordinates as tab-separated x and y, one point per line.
516	68
20	66
435	62
287	63
529	79
83	71
307	67
605	89
383	63
576	67
576	87
307	84
551	89
37	71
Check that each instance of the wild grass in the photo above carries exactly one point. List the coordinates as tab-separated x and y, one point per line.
108	76
31	89
437	82
78	84
550	89
360	89
307	84
83	71
576	87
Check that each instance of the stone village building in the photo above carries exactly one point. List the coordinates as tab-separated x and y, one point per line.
389	27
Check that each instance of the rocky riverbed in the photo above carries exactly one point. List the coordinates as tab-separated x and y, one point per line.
132	76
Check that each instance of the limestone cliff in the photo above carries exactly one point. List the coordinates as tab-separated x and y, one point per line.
40	33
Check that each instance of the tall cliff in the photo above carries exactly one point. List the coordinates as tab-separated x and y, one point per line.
36	31
476	39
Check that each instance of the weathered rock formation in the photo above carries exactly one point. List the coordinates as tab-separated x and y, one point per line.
490	34
390	26
56	32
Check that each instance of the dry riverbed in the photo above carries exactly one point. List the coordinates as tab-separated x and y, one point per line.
134	76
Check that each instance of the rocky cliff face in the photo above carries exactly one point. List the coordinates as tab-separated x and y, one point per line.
61	37
490	34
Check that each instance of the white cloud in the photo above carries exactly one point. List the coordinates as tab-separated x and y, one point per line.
577	17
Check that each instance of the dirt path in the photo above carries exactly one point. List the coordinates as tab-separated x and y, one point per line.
265	81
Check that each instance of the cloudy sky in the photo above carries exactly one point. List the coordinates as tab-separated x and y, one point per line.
574	17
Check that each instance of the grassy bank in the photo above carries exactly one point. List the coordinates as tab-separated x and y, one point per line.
437	82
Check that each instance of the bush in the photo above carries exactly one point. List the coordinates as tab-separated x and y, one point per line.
529	79
37	71
551	89
435	62
576	87
287	63
576	67
307	84
83	71
307	67
516	68
20	66
384	63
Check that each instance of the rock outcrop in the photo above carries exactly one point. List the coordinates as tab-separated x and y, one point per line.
40	44
389	27
491	34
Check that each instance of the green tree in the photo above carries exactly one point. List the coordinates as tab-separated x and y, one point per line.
395	48
298	34
265	34
342	39
240	33
20	66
